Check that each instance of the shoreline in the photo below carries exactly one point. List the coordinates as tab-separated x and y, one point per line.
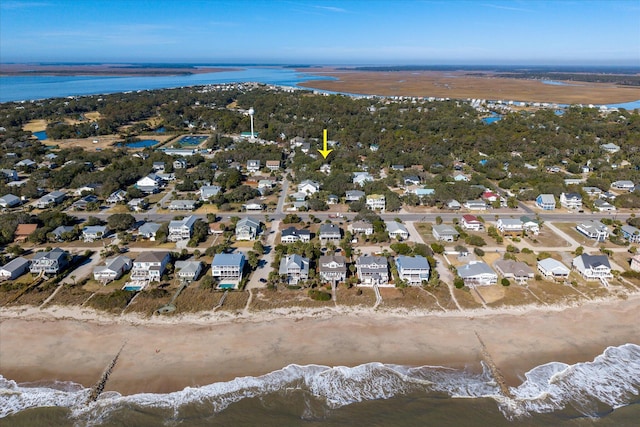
168	354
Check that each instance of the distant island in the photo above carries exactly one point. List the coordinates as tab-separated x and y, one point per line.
143	70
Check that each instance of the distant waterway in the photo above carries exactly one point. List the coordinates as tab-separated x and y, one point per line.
19	88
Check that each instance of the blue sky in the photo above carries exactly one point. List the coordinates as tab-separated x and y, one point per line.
322	32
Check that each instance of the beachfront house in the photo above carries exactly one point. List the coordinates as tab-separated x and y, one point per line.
188	271
14	268
148	267
112	269
593	267
228	268
372	270
413	269
295	268
518	271
51	262
332	268
553	269
477	273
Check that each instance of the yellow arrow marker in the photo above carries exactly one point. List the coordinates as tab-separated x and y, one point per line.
324	150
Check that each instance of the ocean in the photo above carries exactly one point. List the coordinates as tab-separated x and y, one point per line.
604	392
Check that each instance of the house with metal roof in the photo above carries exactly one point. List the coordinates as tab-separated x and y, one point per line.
592	267
247	229
397	230
181	229
516	270
295	268
546	202
51	262
94	232
413	269
9	201
329	233
332	268
444	233
228	268
372	270
477	273
553	269
188	270
594	230
292	235
112	269
14	268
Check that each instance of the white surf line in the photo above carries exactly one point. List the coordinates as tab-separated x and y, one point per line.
434	297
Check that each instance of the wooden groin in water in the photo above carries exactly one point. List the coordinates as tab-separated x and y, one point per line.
98	388
495	371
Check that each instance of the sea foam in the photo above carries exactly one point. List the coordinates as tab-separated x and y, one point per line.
612	378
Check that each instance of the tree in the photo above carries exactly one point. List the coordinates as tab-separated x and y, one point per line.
258	247
120	221
437	248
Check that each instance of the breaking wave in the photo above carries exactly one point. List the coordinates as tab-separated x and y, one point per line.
612	379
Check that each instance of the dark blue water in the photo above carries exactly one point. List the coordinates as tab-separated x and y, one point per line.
18	88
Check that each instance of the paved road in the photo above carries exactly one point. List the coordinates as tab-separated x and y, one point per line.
262	272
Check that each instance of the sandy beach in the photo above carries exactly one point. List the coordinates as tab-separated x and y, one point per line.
168	354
